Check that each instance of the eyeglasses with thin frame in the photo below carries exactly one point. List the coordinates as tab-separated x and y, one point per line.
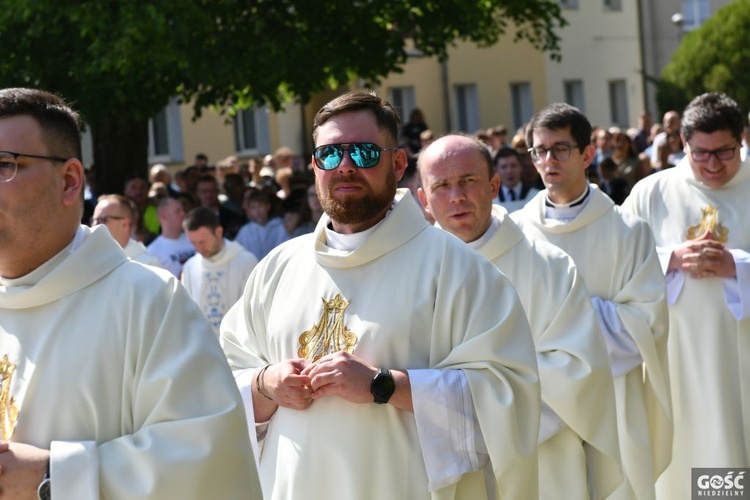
9	163
363	154
560	152
721	154
102	219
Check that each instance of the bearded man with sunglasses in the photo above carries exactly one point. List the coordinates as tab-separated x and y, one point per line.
379	356
616	255
699	213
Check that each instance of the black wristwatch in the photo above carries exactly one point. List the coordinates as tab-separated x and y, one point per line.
44	491
382	386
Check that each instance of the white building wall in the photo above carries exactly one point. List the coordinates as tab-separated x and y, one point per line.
599	45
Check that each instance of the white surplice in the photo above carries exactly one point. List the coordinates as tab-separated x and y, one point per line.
217	282
117	372
574	369
410	297
616	255
709	338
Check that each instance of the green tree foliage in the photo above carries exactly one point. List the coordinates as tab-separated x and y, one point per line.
120	61
712	58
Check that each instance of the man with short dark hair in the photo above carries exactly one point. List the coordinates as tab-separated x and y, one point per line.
513	193
215	276
698	212
617	258
364	351
100	395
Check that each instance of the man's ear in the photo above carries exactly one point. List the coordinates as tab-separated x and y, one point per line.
400	162
73	180
495	184
588	154
423	199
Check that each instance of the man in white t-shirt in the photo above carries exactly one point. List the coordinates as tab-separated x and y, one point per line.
172	247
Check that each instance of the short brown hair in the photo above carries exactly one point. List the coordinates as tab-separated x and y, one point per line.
385	114
200	217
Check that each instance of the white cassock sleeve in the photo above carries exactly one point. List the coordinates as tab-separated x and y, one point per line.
675	280
736	290
622	350
449	434
75	459
244	380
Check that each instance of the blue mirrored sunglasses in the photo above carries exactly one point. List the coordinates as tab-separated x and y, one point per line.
363	154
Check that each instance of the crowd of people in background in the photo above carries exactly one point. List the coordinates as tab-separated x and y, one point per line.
262	202
623	156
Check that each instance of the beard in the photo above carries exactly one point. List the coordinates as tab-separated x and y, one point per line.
351	209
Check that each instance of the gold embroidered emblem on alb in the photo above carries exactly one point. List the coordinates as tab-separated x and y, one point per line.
330	334
709	222
8	408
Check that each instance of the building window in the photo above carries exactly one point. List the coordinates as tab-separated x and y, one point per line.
618	103
694	13
612	5
402	98
165	135
520	94
251	131
467	108
569	4
574	94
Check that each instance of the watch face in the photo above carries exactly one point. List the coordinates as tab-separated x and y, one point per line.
44	492
382	387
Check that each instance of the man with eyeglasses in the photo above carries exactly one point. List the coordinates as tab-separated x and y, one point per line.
617	258
578	452
380	357
699	214
117	213
112	384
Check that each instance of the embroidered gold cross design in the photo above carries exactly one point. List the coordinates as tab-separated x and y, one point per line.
8	408
709	222
330	334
